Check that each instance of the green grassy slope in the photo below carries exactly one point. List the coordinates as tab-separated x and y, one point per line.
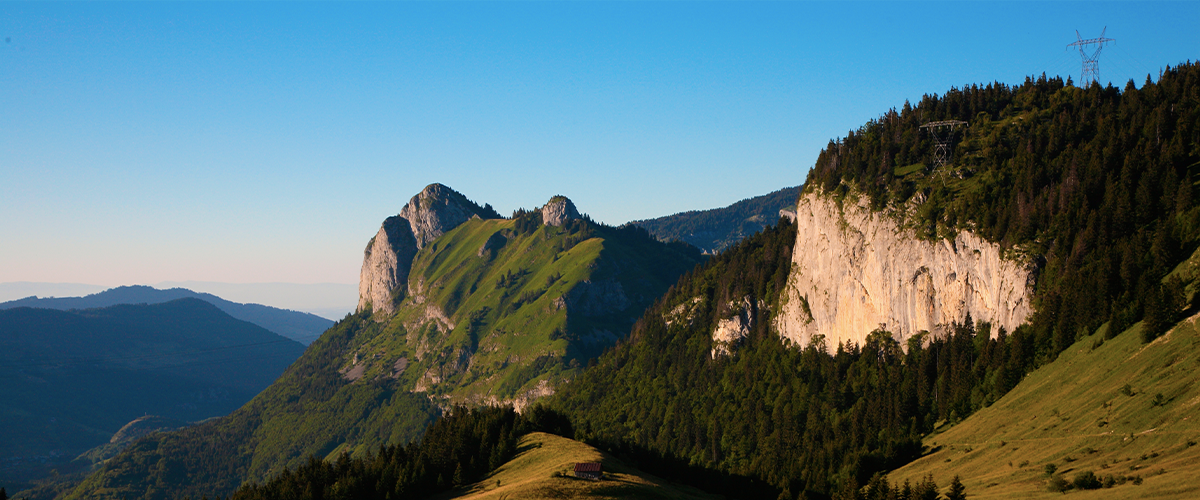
491	325
1096	408
542	470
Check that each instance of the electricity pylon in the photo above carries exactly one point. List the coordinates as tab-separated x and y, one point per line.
943	141
1091	64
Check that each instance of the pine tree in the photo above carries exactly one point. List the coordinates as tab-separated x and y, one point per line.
957	490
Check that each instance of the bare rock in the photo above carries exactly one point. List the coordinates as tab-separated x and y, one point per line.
855	270
435	210
558	211
383	281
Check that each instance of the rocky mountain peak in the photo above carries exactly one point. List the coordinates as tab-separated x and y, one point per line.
558	211
383	281
435	210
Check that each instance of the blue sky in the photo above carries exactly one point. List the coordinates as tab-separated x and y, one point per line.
266	142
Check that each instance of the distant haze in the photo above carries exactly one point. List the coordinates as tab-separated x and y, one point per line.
328	300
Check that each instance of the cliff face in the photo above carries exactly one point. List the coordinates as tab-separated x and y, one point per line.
558	211
854	271
383	281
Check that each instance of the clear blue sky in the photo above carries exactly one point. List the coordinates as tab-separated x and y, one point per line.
266	142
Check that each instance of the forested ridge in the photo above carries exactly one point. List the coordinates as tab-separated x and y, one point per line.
1097	182
811	419
716	229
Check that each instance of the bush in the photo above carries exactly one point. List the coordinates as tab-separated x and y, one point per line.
1058	484
1087	481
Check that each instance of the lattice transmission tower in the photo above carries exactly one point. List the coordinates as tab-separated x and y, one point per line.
1091	64
943	141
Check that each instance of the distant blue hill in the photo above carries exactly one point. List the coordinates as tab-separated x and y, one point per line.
299	326
73	378
715	229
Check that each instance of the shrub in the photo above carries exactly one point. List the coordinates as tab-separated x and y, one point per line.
1058	484
1087	481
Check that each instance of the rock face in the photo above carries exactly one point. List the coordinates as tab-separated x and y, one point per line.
435	210
383	281
731	331
854	271
558	211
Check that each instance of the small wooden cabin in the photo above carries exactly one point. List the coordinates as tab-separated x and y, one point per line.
589	470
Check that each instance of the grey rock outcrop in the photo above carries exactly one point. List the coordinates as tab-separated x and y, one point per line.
386	263
854	270
730	332
435	210
558	211
383	281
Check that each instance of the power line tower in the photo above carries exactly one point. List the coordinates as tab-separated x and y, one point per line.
943	141
1091	65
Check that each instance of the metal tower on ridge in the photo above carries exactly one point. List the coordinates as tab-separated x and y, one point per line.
1091	65
943	140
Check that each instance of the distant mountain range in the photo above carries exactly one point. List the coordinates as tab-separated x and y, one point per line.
74	378
332	301
299	326
715	229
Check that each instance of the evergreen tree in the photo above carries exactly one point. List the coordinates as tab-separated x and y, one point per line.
957	490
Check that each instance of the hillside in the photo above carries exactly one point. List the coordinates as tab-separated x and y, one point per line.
1046	176
74	378
489	310
295	325
1114	407
543	469
715	229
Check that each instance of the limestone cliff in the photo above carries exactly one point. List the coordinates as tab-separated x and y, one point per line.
386	262
383	281
854	270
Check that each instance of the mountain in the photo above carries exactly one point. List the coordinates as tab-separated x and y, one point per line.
298	326
1076	201
715	229
74	378
457	306
908	298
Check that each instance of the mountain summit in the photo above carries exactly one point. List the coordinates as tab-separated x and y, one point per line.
388	257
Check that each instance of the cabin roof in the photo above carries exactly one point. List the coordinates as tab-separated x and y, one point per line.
587	467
